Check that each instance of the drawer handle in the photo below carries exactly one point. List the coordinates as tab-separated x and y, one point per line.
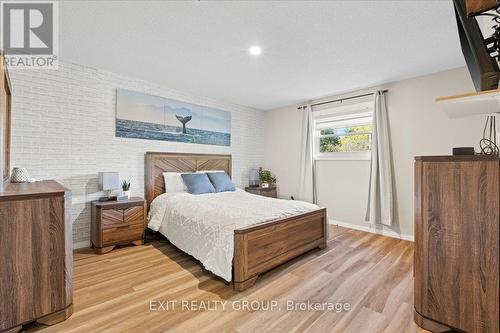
123	226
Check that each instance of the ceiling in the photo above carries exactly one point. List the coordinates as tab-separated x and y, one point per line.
310	49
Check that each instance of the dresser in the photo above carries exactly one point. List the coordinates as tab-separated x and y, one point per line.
270	191
35	255
456	259
118	223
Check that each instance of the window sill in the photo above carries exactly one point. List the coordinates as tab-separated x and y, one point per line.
364	156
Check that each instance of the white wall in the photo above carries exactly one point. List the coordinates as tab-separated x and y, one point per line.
418	127
342	187
63	128
282	152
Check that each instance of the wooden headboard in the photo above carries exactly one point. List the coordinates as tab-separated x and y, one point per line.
158	163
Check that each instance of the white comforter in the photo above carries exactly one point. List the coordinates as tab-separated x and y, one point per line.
203	225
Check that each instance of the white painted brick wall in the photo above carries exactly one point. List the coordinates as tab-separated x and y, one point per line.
63	128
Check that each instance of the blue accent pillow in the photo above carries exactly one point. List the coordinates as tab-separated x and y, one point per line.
221	181
197	183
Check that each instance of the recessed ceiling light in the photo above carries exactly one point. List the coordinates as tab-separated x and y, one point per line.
255	50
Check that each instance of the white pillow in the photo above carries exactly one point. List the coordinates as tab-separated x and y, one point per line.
173	182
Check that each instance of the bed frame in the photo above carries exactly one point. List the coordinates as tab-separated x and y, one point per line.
257	248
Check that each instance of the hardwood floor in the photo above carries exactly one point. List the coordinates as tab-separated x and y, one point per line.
112	292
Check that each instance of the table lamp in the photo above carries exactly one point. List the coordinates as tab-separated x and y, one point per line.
108	182
254	179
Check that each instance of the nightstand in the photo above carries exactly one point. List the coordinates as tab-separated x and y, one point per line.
117	223
270	191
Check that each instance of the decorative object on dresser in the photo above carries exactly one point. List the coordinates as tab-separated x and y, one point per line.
270	191
109	182
35	255
20	175
266	178
463	151
125	190
456	258
117	223
5	121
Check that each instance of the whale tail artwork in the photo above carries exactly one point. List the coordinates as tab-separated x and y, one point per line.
183	121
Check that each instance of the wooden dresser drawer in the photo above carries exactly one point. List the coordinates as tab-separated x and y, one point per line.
35	254
456	249
125	233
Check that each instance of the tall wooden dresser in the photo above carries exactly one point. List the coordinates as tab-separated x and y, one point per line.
456	260
35	254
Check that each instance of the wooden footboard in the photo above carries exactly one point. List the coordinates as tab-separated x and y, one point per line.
262	247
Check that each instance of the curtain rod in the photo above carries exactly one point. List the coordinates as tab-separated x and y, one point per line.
345	98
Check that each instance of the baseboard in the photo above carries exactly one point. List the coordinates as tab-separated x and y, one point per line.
80	245
372	229
368	228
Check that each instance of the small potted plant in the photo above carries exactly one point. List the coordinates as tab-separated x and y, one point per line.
266	178
126	188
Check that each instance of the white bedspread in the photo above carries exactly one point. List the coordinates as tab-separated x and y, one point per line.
203	225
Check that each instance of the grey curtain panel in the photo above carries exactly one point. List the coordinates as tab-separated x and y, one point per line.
380	198
307	190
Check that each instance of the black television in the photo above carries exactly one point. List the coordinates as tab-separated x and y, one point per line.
483	68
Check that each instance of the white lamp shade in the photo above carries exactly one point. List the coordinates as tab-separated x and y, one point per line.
254	174
109	181
254	177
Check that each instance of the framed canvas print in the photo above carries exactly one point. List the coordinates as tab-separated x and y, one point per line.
143	116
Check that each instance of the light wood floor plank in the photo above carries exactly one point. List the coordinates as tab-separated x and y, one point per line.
112	292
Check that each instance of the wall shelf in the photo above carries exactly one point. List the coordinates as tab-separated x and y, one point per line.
465	105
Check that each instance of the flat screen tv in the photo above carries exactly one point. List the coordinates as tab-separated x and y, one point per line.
483	68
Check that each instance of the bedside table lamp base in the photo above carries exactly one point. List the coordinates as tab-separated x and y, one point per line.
106	199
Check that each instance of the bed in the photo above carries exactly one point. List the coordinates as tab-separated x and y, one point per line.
258	244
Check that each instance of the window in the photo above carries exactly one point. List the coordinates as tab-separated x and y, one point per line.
345	139
344	132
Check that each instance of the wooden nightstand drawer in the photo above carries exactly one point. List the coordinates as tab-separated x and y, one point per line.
133	215
118	222
272	193
111	218
124	233
116	217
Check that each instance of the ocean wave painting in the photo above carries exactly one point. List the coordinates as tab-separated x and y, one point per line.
143	116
